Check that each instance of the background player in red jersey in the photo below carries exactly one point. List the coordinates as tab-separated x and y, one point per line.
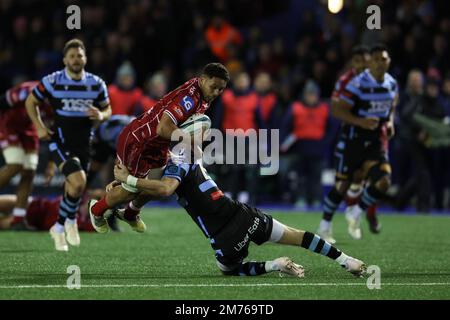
20	146
143	145
42	212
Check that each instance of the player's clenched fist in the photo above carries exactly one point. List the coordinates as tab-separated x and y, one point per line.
120	172
44	133
94	114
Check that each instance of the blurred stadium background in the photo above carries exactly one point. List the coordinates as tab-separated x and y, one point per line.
288	48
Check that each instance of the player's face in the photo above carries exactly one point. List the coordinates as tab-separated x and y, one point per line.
75	60
360	62
212	87
379	63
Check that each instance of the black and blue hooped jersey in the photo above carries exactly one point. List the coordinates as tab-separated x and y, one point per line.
369	98
70	100
201	198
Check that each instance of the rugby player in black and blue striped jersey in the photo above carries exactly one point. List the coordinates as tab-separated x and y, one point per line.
366	108
79	100
230	225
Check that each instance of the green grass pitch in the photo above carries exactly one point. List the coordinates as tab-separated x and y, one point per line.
173	260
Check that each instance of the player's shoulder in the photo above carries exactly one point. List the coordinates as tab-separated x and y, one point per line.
189	88
347	75
344	79
90	77
23	86
390	79
357	80
54	77
28	84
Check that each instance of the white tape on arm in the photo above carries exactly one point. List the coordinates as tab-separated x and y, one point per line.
132	181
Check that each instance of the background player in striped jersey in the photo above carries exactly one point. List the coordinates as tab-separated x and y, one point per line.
366	107
80	100
20	146
359	62
144	144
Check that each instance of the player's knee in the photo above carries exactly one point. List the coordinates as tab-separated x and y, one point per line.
230	272
228	269
380	176
342	186
79	188
76	183
71	166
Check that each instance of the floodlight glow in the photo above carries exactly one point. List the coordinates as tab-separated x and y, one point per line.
334	6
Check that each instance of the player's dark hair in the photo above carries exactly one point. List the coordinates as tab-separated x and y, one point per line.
217	70
74	43
378	48
360	50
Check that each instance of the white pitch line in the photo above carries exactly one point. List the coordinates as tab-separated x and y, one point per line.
181	285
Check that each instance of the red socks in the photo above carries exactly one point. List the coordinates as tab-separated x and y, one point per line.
100	207
17	220
371	212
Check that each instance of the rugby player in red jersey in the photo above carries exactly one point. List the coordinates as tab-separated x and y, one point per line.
143	145
20	146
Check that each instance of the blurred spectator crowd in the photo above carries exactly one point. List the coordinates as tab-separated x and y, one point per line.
284	57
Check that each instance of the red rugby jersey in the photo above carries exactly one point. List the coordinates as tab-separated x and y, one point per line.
178	104
16	119
342	82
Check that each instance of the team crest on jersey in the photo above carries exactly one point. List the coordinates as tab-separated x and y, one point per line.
178	111
172	169
51	78
187	103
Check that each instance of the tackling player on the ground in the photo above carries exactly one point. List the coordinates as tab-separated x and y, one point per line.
144	144
79	99
20	145
230	225
366	106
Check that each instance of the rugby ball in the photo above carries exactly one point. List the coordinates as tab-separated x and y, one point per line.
196	123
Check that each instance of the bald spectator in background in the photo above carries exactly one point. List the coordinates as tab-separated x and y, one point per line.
125	96
155	89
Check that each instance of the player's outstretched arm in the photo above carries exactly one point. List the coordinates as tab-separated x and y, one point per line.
31	104
158	188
